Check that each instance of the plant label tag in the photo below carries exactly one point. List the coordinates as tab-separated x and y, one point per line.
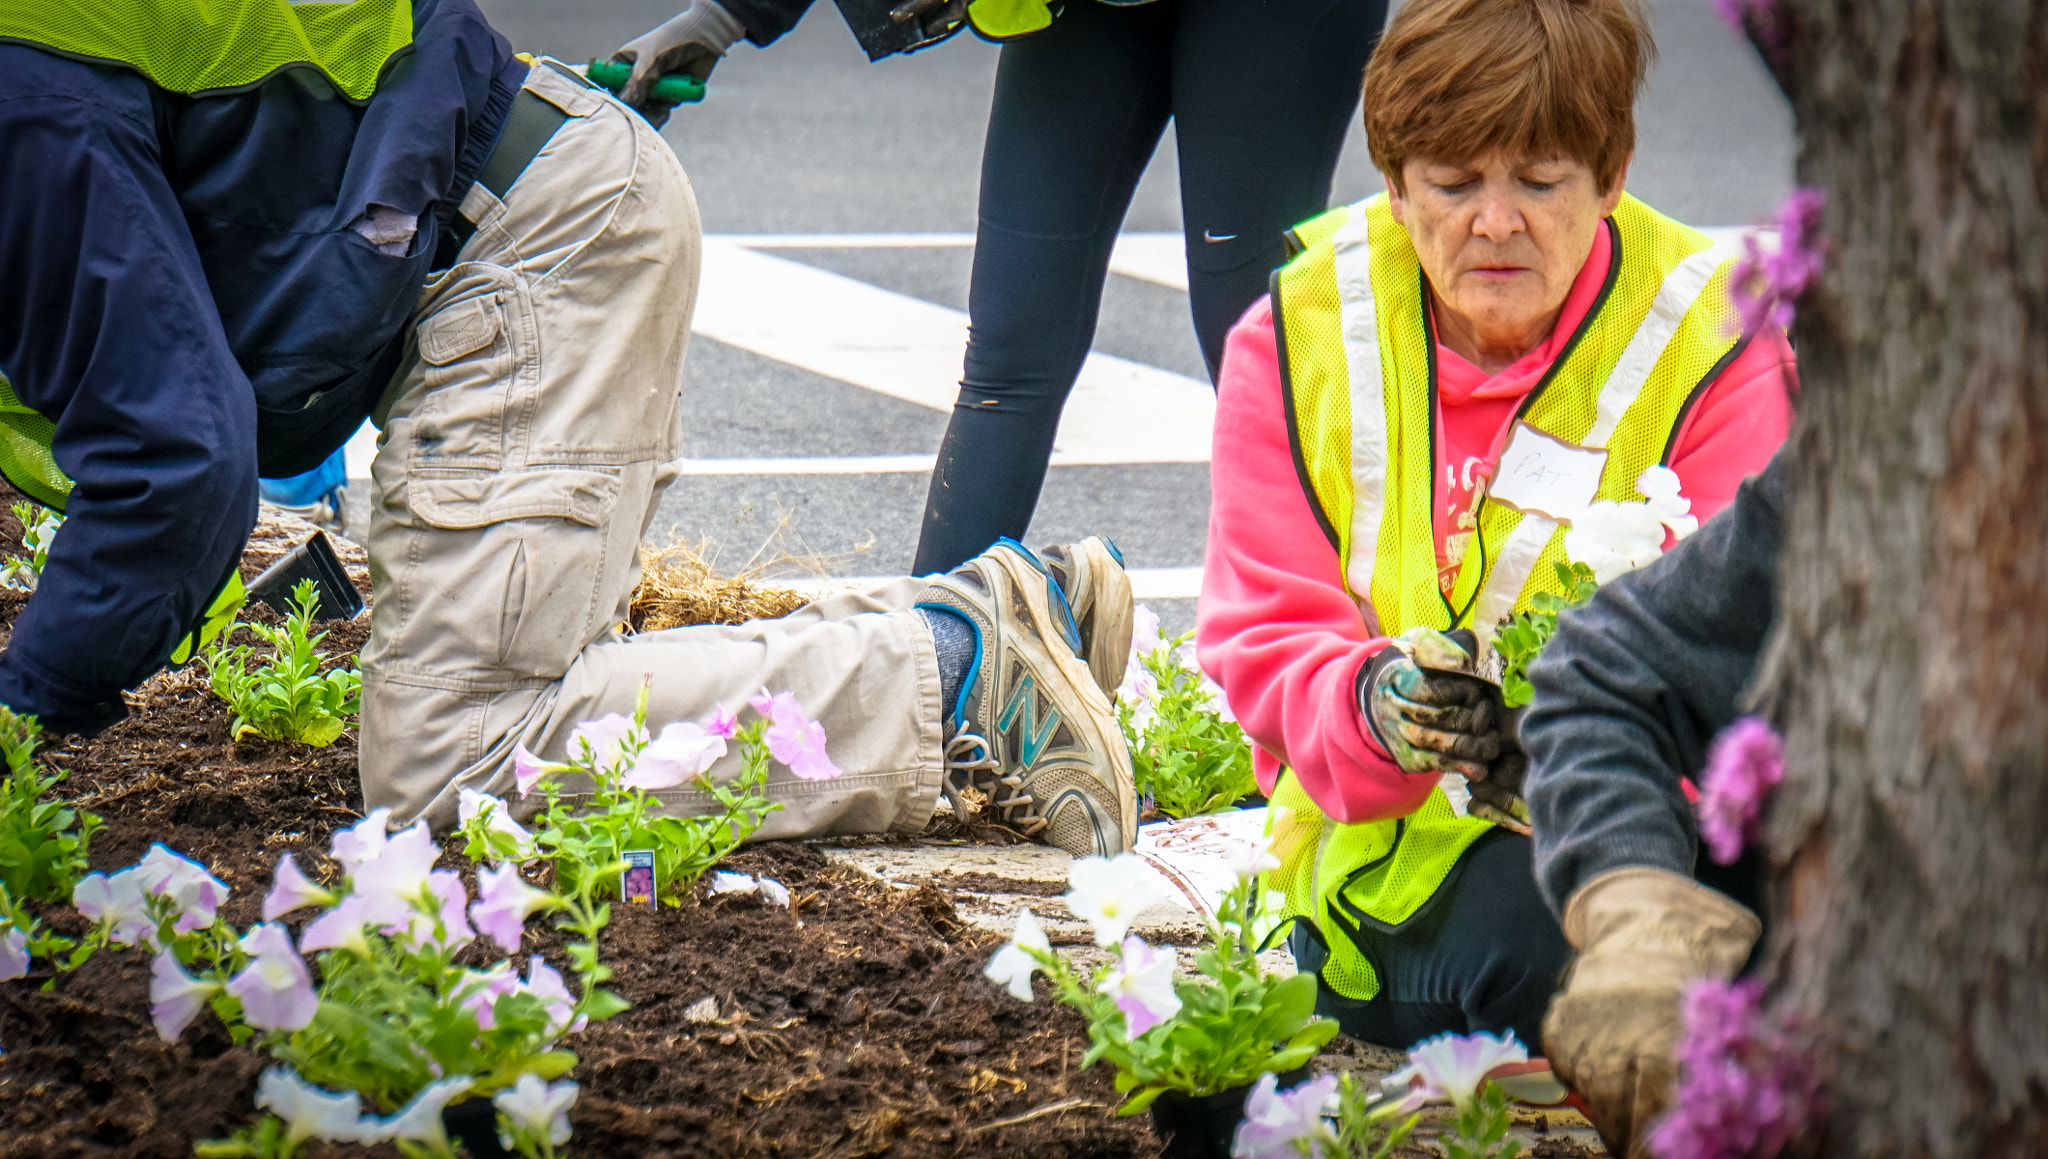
636	881
1542	475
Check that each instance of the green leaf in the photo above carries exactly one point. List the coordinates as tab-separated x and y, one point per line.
1140	1101
603	1004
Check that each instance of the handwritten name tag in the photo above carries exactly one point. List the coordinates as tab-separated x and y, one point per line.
1541	475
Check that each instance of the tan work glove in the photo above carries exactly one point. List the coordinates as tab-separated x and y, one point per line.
1642	935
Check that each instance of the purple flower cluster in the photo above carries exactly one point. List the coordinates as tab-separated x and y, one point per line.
1746	1085
1745	764
1766	285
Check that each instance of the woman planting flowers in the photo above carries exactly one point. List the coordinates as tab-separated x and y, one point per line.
1503	364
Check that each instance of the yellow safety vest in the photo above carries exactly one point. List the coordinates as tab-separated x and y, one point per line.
1357	361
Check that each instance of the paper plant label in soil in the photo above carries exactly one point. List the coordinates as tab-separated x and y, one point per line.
855	1022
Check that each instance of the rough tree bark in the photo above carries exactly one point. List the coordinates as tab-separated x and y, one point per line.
1910	674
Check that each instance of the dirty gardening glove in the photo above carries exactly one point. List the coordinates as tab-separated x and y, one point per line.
689	44
1643	935
1498	796
1427	709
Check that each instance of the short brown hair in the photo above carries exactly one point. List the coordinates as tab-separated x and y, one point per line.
1456	80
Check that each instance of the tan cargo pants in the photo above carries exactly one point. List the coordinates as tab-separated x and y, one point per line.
525	445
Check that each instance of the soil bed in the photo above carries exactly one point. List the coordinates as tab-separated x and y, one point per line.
856	1024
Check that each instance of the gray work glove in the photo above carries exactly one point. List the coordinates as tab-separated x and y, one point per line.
1643	936
935	18
690	44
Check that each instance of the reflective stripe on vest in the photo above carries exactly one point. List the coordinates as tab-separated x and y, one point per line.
1359	376
203	46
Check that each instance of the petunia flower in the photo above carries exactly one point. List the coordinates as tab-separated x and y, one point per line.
308	1111
291	889
1614	538
683	751
194	893
497	819
545	983
527	769
175	997
1142	985
1109	894
1248	859
541	1109
341	928
400	866
722	723
793	738
1145	635
14	959
436	921
1274	1121
600	743
1660	485
275	988
480	990
362	841
419	1121
1745	764
503	904
116	904
1454	1066
1012	966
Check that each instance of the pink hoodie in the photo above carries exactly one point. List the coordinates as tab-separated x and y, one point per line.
1275	627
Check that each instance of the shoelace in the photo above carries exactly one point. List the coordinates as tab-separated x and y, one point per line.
961	757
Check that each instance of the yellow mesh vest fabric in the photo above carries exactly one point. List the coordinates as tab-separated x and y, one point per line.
25	459
1341	876
199	46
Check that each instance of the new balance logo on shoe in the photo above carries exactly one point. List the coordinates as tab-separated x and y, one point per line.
1032	739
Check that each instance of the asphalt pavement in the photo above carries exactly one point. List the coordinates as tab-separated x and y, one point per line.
838	198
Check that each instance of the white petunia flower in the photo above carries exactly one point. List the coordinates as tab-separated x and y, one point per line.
308	1111
541	1109
1455	1066
1110	893
1012	966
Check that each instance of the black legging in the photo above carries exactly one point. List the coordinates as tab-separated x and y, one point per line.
1261	92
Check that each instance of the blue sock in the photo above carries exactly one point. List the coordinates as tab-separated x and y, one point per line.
956	641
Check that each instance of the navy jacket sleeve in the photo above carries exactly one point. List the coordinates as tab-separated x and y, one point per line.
1632	689
107	327
766	19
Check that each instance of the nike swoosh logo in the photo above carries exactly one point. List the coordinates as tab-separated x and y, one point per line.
1211	237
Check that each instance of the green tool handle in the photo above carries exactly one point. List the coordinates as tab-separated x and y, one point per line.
675	88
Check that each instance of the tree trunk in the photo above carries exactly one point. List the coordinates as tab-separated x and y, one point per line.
1910	670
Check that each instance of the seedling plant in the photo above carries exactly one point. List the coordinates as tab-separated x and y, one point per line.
38	530
1164	1034
289	697
1371	1122
1522	638
586	835
1187	755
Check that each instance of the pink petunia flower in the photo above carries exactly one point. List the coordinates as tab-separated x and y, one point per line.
503	904
275	988
14	959
1455	1066
116	903
193	892
175	997
361	841
481	991
341	928
291	889
1274	1121
545	983
527	769
1765	286
1747	1085
1745	764
1142	985
600	743
683	751
793	738
721	723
